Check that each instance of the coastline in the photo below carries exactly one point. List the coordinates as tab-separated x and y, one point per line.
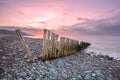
14	63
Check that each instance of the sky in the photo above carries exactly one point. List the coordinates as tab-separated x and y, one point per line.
66	17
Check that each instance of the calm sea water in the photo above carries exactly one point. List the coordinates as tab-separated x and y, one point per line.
106	45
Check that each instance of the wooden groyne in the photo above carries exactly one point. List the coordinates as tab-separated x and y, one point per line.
54	46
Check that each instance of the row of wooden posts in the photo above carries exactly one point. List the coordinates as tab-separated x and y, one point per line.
52	48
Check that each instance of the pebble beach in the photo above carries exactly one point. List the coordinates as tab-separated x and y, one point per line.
15	65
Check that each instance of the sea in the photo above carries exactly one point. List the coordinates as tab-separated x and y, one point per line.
105	45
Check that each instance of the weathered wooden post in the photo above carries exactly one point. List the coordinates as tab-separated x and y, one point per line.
60	46
44	38
61	50
51	45
56	49
70	46
67	47
43	55
48	46
24	45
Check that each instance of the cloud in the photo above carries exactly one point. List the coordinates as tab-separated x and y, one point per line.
109	26
2	4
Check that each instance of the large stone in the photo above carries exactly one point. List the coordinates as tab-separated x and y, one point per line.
20	78
109	78
53	72
0	50
22	74
99	75
4	57
73	78
64	76
60	63
88	77
47	62
93	75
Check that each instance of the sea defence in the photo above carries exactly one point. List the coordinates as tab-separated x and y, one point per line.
55	46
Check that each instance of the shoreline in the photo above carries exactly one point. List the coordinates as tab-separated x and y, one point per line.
14	64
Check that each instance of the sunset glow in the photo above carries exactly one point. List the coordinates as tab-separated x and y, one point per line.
75	17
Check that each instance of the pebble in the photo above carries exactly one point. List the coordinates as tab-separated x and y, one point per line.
4	79
73	67
60	63
20	78
47	62
22	74
93	74
0	50
4	57
109	78
65	76
73	79
88	77
53	72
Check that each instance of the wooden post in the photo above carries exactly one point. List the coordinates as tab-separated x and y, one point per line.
43	55
56	49
69	46
24	45
48	45
53	49
52	45
66	46
44	38
60	46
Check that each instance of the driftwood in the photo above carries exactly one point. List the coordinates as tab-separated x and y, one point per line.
24	45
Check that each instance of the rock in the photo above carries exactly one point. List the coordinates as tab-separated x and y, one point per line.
110	58
29	78
67	64
25	56
9	76
88	72
4	57
60	63
47	62
5	79
88	77
53	72
64	76
22	74
109	78
93	75
40	77
0	50
107	57
99	74
20	78
73	79
79	77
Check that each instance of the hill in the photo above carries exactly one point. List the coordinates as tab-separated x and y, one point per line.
3	31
